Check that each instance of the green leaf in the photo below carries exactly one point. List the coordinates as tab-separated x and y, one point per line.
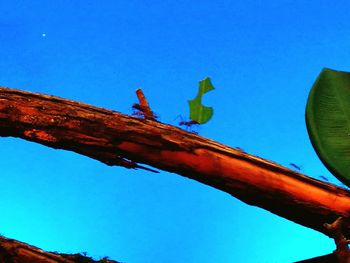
198	112
328	121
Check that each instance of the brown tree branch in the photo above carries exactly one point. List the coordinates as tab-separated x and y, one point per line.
117	139
14	251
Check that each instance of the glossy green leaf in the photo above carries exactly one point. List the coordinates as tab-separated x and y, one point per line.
198	112
328	121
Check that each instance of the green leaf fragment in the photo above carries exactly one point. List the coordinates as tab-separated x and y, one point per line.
328	121
198	112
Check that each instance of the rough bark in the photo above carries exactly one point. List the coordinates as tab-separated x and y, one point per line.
118	139
12	251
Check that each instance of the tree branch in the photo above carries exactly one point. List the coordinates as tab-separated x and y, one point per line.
14	251
117	139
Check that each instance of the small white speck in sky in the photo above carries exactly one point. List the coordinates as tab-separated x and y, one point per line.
43	34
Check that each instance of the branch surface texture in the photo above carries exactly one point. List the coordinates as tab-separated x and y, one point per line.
13	251
118	139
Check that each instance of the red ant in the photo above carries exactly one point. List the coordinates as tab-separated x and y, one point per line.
141	111
188	124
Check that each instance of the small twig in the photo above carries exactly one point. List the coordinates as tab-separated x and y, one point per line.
143	106
336	230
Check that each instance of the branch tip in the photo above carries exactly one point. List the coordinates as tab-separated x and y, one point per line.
143	107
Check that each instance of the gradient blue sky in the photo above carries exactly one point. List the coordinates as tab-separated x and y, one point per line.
262	57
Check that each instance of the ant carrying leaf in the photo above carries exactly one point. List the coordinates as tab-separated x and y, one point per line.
189	125
199	114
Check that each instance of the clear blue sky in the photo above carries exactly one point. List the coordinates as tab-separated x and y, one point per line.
262	57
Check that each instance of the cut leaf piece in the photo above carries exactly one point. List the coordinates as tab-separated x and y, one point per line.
328	121
198	112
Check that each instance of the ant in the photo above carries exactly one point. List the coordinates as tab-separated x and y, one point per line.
295	166
142	111
188	124
324	178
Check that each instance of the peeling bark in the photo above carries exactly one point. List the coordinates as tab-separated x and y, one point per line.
118	139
